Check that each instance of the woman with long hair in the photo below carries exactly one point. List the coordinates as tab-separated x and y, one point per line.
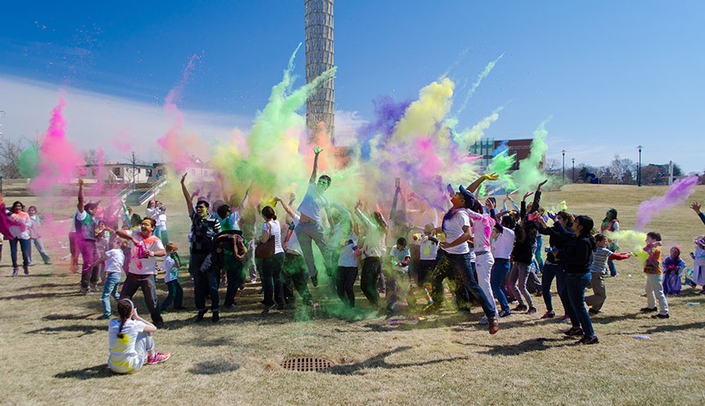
272	266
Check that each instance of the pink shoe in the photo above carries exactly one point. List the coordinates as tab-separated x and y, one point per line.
158	358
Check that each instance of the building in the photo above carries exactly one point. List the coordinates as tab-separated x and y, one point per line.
486	148
320	105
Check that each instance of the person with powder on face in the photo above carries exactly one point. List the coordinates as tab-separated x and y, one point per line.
310	227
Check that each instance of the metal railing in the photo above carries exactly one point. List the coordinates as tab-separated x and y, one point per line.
144	197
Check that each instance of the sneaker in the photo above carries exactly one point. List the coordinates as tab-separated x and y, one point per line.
520	308
593	311
26	271
15	271
532	310
483	320
216	317
102	317
549	315
199	316
648	309
565	319
314	280
504	313
589	340
660	316
87	292
493	325
159	324
574	331
268	308
158	358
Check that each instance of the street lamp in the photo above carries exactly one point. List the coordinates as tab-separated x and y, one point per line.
563	165
573	159
638	169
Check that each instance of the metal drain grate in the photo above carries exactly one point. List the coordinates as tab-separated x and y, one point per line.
306	364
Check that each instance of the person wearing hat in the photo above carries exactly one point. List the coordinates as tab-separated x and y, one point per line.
456	252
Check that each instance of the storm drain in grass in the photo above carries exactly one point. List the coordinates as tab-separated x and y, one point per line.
306	364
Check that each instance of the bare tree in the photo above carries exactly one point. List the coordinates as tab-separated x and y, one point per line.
623	170
10	153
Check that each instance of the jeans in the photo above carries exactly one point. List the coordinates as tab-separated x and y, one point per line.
175	295
149	289
520	272
538	253
272	280
371	269
575	288
462	266
89	254
39	244
307	232
206	283
110	289
24	245
345	281
554	270
654	292
500	270
613	269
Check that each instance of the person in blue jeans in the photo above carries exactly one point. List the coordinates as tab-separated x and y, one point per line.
559	234
114	260
577	257
503	234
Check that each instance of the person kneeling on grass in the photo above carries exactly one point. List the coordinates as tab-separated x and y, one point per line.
131	342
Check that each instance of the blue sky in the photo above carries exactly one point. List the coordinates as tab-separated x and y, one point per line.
611	74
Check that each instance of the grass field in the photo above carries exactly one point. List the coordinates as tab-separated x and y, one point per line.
53	351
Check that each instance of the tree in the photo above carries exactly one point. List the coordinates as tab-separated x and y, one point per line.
623	170
10	151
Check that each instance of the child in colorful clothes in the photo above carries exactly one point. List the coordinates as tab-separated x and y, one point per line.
699	262
398	278
35	237
598	270
673	266
654	277
172	263
114	260
131	342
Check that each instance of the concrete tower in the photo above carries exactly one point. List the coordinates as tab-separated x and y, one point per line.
320	106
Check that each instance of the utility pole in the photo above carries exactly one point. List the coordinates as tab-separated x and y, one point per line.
638	171
563	166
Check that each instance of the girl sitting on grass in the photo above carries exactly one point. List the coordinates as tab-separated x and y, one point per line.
131	342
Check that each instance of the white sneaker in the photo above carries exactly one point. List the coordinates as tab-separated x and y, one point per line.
483	320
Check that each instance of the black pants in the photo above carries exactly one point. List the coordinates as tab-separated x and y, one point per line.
272	280
371	269
149	289
346	280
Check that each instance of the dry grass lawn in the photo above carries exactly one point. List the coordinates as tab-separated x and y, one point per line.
53	351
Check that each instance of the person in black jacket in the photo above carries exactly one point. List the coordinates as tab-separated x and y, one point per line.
559	234
577	256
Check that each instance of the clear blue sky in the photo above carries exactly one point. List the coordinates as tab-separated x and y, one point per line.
611	74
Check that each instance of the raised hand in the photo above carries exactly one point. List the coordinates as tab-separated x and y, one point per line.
317	150
696	207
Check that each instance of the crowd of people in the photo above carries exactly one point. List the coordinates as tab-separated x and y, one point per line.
486	255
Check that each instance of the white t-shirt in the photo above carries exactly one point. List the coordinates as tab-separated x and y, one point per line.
293	243
503	244
172	271
348	258
20	226
429	249
145	266
312	203
161	223
276	232
116	258
454	229
124	357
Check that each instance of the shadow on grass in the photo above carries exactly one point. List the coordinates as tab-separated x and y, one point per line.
680	327
29	296
215	366
52	317
84	329
49	286
98	371
530	345
379	361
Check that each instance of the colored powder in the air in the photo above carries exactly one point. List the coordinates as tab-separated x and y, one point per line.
631	241
58	159
476	84
501	164
679	191
387	113
530	172
28	160
469	137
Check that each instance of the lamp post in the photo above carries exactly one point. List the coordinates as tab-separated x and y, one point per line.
573	159
638	169
563	165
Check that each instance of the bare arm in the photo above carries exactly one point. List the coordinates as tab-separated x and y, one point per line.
187	195
81	200
287	207
316	150
243	203
488	176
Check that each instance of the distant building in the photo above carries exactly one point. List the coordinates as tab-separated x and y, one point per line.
486	147
124	172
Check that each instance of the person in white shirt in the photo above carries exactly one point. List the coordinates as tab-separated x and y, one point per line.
143	266
502	250
130	341
272	266
114	260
